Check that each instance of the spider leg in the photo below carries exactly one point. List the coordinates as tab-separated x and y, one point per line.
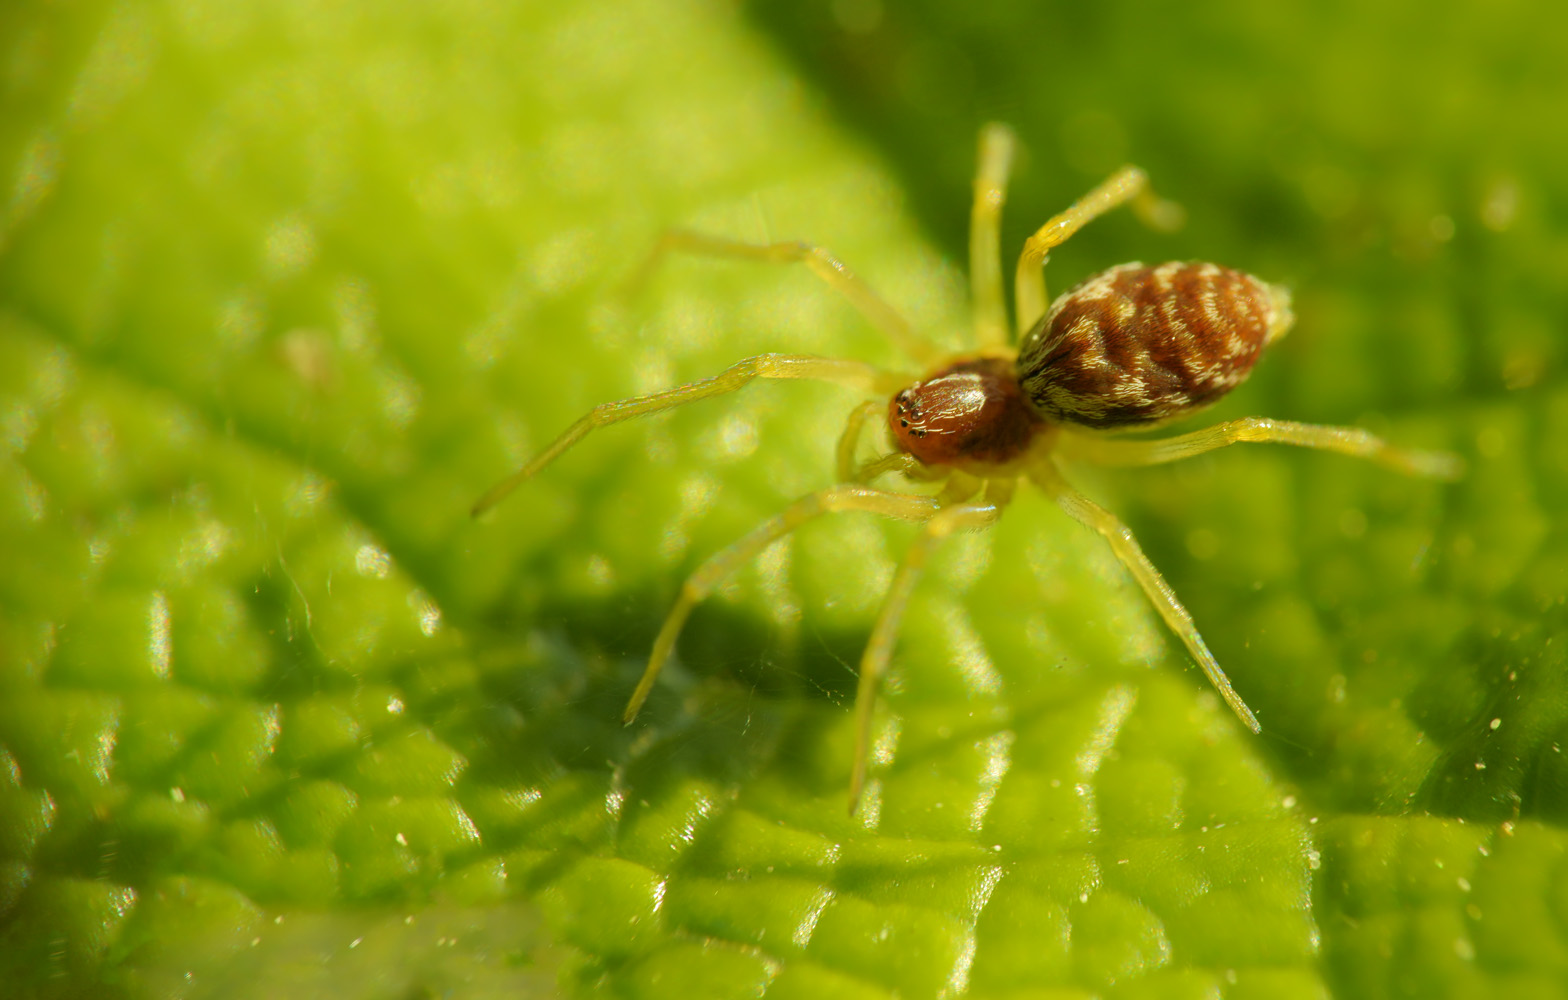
821	262
1159	593
958	516
1127	184
1029	284
1345	440
997	145
854	374
903	506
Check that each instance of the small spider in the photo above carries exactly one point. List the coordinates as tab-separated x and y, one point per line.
1129	348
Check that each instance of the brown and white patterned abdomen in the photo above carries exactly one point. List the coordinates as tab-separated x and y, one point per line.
1136	345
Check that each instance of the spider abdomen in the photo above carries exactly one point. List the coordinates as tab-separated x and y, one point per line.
1138	345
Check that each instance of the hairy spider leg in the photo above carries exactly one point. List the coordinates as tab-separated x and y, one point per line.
821	263
958	513
1090	514
997	145
902	506
1345	440
1127	184
854	374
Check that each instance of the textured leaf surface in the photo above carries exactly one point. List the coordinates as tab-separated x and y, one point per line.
284	287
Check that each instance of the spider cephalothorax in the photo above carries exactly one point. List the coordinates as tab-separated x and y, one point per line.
971	413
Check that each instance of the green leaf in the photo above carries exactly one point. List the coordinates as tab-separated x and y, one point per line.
284	287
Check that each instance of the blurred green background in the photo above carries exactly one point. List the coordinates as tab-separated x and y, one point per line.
285	286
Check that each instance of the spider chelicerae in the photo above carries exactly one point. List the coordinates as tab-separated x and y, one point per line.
1129	348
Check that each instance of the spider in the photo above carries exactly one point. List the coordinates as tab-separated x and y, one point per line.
1129	348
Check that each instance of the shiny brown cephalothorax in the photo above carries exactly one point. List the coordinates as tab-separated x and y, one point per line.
1128	348
970	413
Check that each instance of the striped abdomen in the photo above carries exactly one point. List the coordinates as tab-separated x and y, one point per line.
1136	345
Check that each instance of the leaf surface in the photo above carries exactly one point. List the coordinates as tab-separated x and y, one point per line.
284	287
